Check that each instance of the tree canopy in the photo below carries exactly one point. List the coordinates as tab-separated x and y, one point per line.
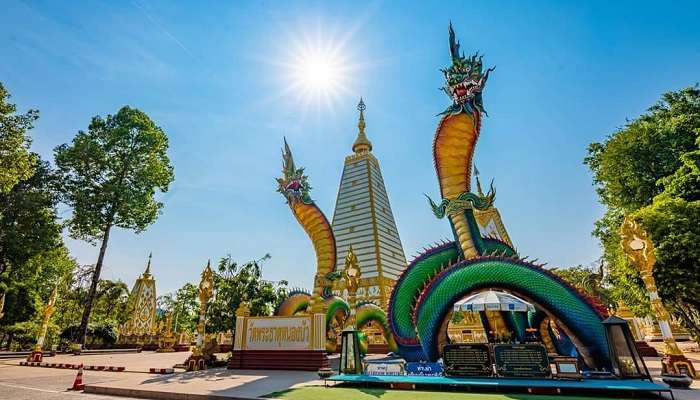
587	280
236	283
233	284
28	221
16	162
650	169
33	258
109	177
110	174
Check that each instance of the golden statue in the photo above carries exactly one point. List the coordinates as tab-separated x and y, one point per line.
166	338
351	274
37	353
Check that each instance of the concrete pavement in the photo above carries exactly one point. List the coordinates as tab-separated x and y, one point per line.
25	383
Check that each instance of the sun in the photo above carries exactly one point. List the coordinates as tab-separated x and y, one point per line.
318	72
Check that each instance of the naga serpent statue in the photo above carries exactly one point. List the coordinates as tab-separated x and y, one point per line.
295	187
422	299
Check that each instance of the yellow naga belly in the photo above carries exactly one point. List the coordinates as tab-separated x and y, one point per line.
319	230
453	149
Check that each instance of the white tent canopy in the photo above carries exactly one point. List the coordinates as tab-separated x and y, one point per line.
493	301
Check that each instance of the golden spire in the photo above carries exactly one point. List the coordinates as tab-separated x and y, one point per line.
362	144
147	272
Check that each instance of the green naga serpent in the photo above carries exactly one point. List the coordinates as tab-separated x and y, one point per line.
425	293
295	187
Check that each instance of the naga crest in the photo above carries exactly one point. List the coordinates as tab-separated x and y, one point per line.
464	80
293	184
464	201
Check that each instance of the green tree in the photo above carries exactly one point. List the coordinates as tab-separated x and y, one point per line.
28	290
109	176
628	165
183	305
235	283
16	162
650	169
587	280
111	303
28	221
24	305
110	307
33	258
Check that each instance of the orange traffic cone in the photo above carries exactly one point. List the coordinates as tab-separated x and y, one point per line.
78	383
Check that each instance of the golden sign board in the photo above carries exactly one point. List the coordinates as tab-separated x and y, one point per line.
278	333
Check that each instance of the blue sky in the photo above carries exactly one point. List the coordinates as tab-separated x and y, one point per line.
216	77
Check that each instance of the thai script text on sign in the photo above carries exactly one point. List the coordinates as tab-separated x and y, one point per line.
271	333
384	369
423	369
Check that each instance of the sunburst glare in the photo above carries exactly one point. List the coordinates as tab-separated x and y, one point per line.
318	71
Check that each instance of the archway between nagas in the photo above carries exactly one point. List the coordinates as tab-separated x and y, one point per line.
542	326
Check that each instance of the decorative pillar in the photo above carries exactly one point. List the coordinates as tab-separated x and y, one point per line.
37	354
196	361
640	251
351	273
242	313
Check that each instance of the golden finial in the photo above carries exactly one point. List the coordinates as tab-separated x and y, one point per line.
207	270
362	144
147	272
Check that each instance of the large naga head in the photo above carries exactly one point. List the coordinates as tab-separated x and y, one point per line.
464	80
293	184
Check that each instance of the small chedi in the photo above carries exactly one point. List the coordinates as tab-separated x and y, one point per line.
141	328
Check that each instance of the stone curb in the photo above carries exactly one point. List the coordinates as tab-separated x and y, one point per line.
153	394
161	370
72	366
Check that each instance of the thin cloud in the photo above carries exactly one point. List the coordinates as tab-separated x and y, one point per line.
162	28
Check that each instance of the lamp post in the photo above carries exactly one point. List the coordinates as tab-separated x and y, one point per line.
37	354
626	361
206	291
640	251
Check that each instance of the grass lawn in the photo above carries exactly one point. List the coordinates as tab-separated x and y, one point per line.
320	392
